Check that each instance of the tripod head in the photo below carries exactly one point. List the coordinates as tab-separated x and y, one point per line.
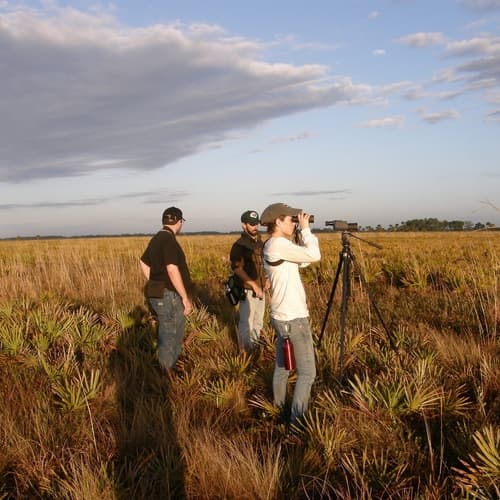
346	244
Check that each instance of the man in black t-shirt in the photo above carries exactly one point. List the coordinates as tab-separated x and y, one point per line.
246	263
169	286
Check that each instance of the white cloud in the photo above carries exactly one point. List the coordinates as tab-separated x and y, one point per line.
84	93
292	138
483	68
444	75
313	193
479	70
493	97
482	4
374	14
484	45
422	39
378	52
415	93
475	25
494	115
439	116
387	122
448	95
394	88
147	197
294	43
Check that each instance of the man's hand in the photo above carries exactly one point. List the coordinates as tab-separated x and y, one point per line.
176	279
257	290
188	306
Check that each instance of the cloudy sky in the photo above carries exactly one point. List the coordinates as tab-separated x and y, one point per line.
371	111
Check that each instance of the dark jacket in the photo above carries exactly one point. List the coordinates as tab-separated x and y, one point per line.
247	253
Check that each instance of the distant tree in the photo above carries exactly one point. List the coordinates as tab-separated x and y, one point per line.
456	225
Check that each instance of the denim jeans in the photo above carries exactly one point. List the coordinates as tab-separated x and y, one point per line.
299	331
251	321
169	311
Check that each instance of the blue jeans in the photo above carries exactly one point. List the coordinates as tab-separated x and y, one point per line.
251	321
169	311
299	331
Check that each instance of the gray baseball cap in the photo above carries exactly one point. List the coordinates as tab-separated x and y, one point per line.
272	212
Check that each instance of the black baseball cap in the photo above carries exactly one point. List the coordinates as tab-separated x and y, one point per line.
250	217
172	215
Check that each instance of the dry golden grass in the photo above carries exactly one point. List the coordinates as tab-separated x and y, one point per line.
86	412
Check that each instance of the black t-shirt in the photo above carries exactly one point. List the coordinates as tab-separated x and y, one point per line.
163	249
247	253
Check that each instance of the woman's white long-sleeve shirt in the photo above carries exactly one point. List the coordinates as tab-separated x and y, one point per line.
288	298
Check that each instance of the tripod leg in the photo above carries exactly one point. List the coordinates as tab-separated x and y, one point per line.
330	300
389	334
343	313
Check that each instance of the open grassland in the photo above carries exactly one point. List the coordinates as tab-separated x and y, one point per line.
86	413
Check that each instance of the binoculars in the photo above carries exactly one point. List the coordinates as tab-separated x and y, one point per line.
295	218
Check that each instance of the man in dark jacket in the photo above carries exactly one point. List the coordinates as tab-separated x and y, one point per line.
246	263
168	287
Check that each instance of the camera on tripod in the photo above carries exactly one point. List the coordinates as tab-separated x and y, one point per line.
295	219
342	225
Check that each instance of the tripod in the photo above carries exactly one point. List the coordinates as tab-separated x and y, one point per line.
346	258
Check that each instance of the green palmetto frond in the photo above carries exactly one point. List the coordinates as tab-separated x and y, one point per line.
362	393
328	402
267	342
421	393
88	331
236	364
390	396
375	472
323	435
204	324
12	337
223	391
416	274
480	475
456	404
57	371
381	394
209	332
416	395
488	455
426	370
126	320
422	399
51	320
267	407
73	394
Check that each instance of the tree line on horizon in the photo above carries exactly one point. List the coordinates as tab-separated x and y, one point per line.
412	225
432	224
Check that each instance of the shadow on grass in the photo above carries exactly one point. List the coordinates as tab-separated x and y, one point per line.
149	461
218	305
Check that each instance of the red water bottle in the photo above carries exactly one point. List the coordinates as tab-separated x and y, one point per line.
288	357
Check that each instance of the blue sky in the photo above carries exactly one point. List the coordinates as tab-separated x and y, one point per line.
375	111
